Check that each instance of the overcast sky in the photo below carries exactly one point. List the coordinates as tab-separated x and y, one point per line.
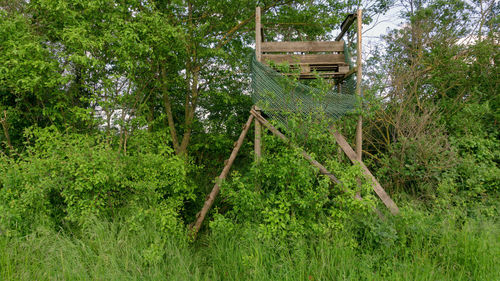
379	27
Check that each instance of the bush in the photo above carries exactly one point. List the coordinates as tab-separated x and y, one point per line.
286	197
476	141
64	179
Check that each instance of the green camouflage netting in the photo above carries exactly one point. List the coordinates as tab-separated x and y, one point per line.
280	96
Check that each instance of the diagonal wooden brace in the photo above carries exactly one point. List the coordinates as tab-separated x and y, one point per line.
308	157
386	199
215	190
394	209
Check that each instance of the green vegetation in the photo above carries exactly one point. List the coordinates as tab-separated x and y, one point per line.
424	247
117	116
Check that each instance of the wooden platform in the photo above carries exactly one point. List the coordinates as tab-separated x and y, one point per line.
314	58
307	59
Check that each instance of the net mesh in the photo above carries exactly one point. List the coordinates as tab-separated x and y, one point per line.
281	97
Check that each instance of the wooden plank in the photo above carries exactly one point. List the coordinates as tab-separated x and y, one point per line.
329	67
215	190
303	46
359	127
386	199
258	140
344	69
305	68
349	20
309	77
257	148
314	75
305	59
345	76
351	72
258	34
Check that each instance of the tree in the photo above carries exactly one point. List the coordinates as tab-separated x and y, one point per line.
29	80
435	72
147	61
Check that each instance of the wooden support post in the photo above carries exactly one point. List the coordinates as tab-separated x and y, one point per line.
258	53
215	190
359	127
258	138
308	157
376	185
258	34
257	147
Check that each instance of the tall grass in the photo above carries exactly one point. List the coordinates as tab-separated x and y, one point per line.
433	249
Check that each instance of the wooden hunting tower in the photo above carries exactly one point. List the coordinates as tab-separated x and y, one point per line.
311	59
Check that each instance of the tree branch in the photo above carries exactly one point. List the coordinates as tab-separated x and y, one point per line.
229	35
168	110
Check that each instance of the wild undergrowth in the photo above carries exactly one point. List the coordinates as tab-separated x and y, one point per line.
414	246
75	208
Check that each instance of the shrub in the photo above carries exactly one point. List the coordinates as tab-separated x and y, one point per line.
287	197
64	179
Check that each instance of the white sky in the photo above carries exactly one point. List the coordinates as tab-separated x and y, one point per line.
380	26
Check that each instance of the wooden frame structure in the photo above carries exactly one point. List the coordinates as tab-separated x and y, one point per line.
314	58
327	66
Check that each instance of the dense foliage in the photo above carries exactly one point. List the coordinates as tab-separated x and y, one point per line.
117	116
65	180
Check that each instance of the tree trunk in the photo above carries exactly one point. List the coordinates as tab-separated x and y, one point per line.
190	108
5	126
168	111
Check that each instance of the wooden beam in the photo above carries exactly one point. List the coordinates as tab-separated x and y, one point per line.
258	139
308	157
305	59
359	127
349	20
257	150
386	199
215	190
312	75
258	34
351	72
303	46
344	76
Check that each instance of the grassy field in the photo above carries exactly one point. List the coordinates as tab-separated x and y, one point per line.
401	249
